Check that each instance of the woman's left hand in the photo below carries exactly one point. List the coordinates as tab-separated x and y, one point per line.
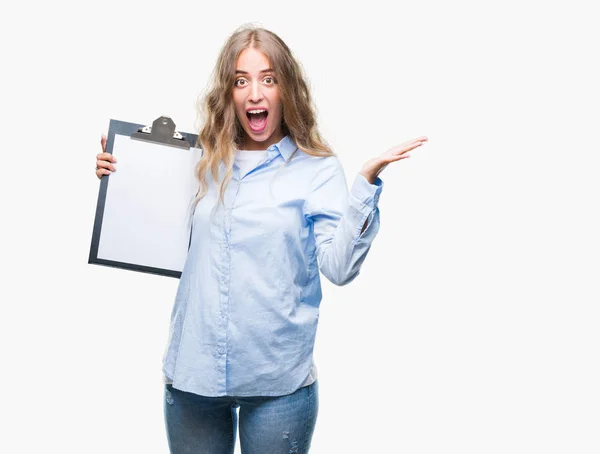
374	166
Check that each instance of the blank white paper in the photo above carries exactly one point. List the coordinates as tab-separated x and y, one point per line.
148	204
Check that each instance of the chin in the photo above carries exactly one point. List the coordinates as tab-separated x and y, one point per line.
260	137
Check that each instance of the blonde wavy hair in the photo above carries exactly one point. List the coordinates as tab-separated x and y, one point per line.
222	133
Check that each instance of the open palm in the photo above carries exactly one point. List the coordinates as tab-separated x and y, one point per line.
373	167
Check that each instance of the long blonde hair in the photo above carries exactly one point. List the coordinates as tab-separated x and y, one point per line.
222	134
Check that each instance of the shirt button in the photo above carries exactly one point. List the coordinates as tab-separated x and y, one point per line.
220	350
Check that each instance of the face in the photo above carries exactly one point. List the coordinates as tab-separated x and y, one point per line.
256	89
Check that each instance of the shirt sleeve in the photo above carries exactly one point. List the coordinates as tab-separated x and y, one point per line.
338	217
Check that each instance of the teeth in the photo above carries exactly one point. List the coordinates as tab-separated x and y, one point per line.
256	111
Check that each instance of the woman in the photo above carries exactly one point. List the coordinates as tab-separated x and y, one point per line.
272	210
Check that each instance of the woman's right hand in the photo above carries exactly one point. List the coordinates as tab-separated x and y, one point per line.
104	161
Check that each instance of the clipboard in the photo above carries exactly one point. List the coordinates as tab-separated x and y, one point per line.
144	208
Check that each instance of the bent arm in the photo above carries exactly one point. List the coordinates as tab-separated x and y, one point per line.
344	223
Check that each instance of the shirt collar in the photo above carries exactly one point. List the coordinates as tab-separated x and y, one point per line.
285	147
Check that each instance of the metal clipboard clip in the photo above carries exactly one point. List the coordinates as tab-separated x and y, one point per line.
162	131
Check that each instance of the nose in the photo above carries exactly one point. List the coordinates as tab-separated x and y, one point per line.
255	92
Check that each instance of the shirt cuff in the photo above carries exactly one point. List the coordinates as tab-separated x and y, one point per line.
364	195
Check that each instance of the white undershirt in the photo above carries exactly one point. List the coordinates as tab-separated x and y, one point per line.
249	159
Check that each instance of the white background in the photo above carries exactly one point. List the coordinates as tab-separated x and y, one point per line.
473	327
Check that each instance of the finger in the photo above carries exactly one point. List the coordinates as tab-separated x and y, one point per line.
100	164
101	172
103	143
106	157
412	147
403	148
419	141
397	158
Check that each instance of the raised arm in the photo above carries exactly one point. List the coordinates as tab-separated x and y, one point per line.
344	223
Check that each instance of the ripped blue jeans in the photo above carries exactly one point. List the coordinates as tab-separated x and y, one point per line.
267	425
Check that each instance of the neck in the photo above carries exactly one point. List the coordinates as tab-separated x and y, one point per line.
252	145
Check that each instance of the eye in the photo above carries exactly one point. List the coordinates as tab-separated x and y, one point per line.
239	80
271	79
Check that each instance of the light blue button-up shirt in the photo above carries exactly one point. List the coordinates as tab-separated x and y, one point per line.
247	304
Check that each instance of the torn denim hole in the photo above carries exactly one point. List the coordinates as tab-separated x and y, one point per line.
293	443
170	399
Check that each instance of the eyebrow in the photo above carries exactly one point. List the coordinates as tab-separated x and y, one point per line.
268	70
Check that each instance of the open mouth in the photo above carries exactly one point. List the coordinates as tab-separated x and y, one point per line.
257	119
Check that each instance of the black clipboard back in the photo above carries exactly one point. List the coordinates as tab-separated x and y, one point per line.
163	133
